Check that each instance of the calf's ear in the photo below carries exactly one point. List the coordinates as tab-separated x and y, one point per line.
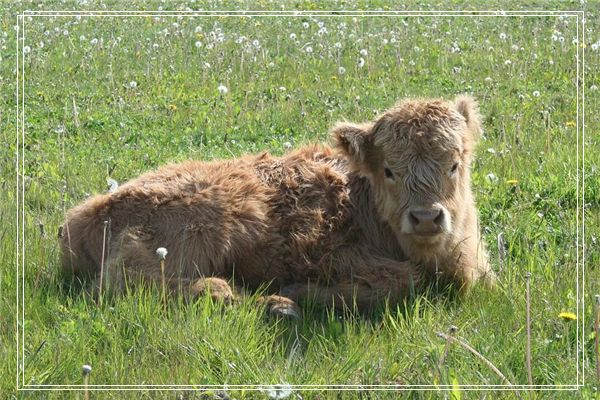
468	108
355	141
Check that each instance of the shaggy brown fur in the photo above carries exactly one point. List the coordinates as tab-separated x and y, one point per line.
390	206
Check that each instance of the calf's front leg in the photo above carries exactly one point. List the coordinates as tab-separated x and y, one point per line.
365	286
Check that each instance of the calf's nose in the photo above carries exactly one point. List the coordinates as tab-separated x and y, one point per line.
426	221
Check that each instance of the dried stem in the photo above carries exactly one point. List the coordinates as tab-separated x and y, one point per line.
86	393
162	279
102	262
528	318
597	330
451	331
476	353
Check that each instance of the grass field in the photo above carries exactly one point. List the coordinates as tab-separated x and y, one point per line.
110	97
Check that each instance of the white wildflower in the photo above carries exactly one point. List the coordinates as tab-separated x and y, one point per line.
308	49
488	79
491	178
198	44
133	84
277	392
161	252
507	62
536	93
94	41
363	52
503	36
305	25
223	89
112	185
341	70
293	36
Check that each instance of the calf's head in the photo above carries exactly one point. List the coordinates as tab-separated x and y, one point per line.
417	156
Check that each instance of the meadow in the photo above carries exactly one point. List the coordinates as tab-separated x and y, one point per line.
108	97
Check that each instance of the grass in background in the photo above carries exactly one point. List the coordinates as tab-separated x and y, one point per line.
111	97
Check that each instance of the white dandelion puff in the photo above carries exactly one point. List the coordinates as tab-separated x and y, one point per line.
26	50
364	52
198	44
86	369
536	93
277	392
341	70
361	62
223	89
308	49
113	185
94	41
491	178
133	84
503	36
507	62
161	252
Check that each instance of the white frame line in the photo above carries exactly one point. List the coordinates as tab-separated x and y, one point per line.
20	259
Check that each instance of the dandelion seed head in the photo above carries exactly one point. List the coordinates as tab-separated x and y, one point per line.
223	89
86	369
161	252
536	93
341	70
133	84
308	49
198	44
503	36
94	41
364	52
361	62
26	50
491	178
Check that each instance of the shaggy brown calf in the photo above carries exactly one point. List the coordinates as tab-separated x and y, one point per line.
388	207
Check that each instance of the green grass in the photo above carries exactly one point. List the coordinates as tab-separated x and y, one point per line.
84	123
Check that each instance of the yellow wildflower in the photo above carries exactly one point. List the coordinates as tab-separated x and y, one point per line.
172	107
567	316
512	181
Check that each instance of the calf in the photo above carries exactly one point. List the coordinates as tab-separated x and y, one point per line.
388	207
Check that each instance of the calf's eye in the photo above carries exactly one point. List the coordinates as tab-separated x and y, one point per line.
454	168
388	173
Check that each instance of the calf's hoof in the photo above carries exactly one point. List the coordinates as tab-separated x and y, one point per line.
281	307
217	288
